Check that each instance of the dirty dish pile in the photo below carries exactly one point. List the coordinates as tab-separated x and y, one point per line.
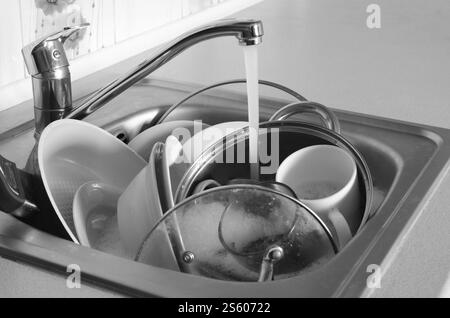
308	163
72	153
226	225
86	171
183	196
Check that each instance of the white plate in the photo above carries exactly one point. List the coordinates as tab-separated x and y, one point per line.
194	147
174	164
139	208
144	142
71	153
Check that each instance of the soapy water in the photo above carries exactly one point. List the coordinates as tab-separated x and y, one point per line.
315	190
199	229
229	233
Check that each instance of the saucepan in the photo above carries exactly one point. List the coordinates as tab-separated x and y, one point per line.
285	137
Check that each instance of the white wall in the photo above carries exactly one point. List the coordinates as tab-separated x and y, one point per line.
119	29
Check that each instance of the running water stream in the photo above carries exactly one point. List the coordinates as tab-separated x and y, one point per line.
251	70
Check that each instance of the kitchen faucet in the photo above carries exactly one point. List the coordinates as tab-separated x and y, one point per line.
48	66
22	192
47	63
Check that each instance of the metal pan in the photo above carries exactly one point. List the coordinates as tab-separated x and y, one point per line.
294	135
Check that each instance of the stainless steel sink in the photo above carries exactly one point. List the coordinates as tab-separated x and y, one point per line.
405	161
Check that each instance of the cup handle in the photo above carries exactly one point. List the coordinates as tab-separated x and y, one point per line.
206	185
328	118
341	227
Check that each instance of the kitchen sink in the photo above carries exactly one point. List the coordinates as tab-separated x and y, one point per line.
405	161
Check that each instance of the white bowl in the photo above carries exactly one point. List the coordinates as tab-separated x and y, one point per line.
173	165
93	197
95	217
73	152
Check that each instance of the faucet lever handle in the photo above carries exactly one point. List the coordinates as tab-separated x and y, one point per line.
47	53
65	33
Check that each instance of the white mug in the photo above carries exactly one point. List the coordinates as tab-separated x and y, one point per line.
325	178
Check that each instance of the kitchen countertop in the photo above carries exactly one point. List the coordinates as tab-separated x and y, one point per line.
323	49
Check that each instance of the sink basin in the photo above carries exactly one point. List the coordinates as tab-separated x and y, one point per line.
405	160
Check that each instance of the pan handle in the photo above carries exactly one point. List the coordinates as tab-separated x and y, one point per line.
325	114
12	193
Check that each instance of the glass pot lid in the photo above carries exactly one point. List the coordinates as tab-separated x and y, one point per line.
239	233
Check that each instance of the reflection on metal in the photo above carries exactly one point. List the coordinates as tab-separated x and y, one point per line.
188	257
48	66
272	256
248	32
236	81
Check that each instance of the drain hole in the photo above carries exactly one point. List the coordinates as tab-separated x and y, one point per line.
122	136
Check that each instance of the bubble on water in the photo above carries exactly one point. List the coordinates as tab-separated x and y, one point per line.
316	190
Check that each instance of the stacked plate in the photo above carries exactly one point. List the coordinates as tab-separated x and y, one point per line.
95	182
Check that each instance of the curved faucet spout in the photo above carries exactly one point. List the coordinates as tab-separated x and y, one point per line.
248	32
